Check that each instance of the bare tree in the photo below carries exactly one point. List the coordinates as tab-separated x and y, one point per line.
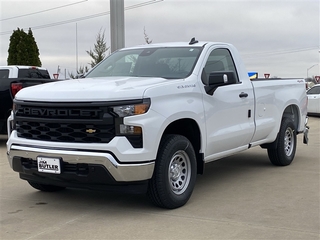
146	37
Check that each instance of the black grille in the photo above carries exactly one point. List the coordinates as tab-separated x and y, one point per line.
66	132
94	124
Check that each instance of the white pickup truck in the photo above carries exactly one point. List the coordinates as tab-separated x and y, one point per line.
152	116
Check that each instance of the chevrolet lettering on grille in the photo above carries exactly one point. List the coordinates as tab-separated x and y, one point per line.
58	112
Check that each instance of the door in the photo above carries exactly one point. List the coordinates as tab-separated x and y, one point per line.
229	110
314	100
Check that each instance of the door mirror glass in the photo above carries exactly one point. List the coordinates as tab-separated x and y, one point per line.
222	78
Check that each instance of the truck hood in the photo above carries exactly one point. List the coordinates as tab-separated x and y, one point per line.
90	89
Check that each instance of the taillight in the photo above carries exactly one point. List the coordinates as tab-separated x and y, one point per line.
15	87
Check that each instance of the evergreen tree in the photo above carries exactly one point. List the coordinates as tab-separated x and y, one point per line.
99	51
23	49
97	54
34	59
14	41
80	72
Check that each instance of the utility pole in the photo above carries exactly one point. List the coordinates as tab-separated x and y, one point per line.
117	24
310	68
76	47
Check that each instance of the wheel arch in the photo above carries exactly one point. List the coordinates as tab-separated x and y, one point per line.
189	128
292	112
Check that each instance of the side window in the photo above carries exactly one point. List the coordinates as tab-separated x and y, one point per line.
314	90
4	73
219	60
33	73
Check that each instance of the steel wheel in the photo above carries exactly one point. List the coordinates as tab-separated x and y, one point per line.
179	172
281	152
289	141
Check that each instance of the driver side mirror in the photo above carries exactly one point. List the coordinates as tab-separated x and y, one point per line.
220	78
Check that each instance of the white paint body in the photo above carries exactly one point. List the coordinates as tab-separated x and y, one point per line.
223	118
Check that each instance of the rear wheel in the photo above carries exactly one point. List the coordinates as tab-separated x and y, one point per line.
175	173
282	151
44	187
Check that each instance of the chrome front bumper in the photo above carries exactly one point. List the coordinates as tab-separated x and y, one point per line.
120	172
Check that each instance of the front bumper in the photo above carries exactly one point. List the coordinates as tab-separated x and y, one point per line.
118	172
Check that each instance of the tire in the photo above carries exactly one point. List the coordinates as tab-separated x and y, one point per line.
282	151
175	173
45	188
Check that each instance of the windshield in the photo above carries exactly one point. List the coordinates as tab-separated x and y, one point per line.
170	63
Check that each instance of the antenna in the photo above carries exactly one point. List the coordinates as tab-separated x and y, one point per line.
193	41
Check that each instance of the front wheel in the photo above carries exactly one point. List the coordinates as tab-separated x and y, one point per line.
175	173
282	152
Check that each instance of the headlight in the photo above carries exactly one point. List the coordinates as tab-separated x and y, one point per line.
132	109
131	132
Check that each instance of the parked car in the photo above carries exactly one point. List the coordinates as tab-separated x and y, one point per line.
12	80
314	100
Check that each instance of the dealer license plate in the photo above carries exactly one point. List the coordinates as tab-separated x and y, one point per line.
49	165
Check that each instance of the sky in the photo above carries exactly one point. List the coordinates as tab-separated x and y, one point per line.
278	37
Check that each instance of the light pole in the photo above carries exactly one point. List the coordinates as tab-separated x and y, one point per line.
310	68
117	24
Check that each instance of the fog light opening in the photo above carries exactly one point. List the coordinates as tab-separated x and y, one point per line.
130	130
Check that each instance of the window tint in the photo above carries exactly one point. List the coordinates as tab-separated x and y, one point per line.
33	73
314	90
4	73
219	60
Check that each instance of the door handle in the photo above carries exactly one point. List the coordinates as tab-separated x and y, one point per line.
243	95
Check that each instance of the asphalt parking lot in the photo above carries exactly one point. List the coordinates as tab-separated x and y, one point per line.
239	197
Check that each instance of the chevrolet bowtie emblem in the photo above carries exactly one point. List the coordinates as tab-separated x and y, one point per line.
91	130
